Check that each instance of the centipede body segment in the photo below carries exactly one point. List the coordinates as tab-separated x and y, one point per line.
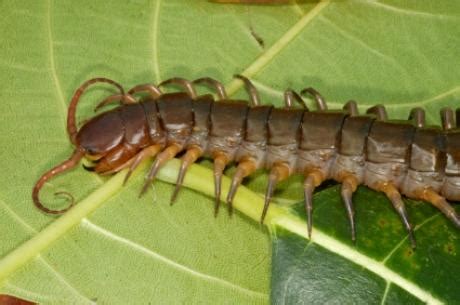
394	157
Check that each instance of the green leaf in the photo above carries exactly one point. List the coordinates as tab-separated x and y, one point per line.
136	251
380	268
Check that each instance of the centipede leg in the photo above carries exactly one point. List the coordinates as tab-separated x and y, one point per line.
66	165
148	152
395	197
220	89
244	169
220	162
186	84
290	96
349	185
351	107
319	99
167	154
191	155
128	98
441	203
457	117
447	118
251	89
379	111
312	180
417	115
279	172
152	90
123	98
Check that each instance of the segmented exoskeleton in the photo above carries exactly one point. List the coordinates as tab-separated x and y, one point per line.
394	157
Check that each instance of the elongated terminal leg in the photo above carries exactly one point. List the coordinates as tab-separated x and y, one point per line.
186	84
251	89
244	169
417	115
349	185
312	180
290	96
191	155
278	173
167	154
220	89
440	202
220	162
319	99
379	111
395	197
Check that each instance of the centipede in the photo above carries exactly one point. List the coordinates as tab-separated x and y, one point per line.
396	157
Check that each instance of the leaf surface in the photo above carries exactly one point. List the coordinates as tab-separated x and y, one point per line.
132	250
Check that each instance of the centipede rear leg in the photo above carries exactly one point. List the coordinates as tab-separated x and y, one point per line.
183	83
321	103
291	97
214	84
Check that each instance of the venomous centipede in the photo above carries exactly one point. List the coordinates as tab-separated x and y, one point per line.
393	157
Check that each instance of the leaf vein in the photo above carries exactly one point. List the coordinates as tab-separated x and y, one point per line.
54	76
156	65
139	248
417	227
277	47
297	226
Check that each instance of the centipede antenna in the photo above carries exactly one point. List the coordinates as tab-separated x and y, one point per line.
71	120
191	155
151	89
447	118
348	187
167	154
251	89
220	89
319	99
244	169
417	115
186	84
379	111
351	107
220	161
64	166
290	96
123	99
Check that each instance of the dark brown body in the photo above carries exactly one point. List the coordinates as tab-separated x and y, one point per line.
389	156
